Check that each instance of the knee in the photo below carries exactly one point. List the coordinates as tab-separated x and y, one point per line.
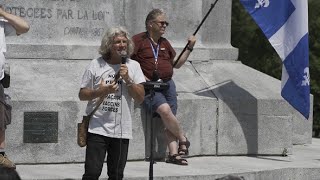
164	110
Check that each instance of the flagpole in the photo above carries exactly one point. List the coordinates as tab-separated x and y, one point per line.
205	17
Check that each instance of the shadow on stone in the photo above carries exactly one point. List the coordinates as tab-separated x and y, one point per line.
244	107
235	103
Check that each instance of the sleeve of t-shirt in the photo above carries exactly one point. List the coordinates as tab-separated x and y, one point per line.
138	76
87	78
9	30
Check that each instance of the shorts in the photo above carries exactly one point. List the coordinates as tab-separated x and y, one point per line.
5	111
168	96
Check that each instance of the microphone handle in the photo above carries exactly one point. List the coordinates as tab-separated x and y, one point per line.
123	59
116	78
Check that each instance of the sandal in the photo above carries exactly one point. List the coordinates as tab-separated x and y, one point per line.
174	160
182	151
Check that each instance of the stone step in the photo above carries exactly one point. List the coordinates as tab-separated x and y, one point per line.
304	164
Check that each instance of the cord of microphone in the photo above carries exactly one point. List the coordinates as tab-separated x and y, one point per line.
123	55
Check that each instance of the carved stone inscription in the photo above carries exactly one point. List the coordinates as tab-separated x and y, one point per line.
60	19
40	127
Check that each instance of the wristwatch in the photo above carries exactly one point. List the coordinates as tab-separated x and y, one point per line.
130	82
190	48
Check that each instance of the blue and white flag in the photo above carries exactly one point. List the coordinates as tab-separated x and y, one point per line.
285	24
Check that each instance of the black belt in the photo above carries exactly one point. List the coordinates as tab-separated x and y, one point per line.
166	80
155	86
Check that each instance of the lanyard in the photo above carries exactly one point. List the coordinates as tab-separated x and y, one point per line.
155	53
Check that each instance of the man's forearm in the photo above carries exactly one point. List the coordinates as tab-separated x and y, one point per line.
182	59
86	94
20	25
136	91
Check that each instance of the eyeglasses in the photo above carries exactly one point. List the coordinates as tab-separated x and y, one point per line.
162	23
120	42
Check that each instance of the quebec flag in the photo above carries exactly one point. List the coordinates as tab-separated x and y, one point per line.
285	24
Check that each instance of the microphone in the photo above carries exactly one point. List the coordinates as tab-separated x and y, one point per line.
123	55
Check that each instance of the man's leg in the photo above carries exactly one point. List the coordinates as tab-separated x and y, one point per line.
165	104
170	121
2	121
167	109
95	154
2	140
117	158
173	147
4	161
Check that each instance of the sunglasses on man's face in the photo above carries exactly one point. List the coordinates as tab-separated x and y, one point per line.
162	23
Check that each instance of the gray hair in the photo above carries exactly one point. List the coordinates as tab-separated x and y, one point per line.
108	38
153	14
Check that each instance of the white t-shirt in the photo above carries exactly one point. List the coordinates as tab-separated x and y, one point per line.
5	30
113	117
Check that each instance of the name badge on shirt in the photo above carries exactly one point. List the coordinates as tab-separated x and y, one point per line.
162	49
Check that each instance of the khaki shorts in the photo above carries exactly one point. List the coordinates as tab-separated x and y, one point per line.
5	111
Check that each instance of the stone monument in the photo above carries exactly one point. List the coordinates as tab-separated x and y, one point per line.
225	107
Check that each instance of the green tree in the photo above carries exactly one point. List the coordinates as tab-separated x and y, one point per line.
314	57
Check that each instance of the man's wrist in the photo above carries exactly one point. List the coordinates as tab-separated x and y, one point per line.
190	48
129	82
98	93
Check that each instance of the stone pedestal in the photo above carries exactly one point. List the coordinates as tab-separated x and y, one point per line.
225	107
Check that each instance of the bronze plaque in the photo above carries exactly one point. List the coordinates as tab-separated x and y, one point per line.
40	127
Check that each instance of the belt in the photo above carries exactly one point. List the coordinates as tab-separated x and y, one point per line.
166	80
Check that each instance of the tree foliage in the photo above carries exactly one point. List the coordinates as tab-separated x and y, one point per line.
256	51
314	56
